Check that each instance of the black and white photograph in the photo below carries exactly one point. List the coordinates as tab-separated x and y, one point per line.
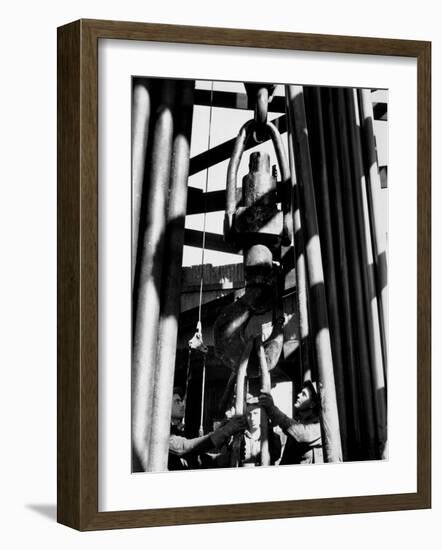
222	256
259	274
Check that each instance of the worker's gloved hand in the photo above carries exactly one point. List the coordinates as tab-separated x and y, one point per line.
266	402
235	425
277	417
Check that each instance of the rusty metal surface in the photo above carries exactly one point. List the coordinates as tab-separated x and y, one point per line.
258	213
232	174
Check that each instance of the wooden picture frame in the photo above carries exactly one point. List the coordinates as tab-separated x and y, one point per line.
77	460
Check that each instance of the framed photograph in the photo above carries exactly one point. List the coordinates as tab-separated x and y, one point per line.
243	275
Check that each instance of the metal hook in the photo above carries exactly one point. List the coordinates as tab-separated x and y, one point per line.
232	174
261	112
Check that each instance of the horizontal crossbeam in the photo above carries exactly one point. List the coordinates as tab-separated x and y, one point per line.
199	202
214	241
232	100
224	150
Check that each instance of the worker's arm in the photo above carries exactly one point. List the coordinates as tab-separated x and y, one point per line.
303	433
277	417
180	445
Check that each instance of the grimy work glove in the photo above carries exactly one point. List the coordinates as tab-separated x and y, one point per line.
266	402
236	424
277	417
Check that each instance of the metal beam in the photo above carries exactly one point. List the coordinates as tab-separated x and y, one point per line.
211	287
224	150
232	100
199	202
214	241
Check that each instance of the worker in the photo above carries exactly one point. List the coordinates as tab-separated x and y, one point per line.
250	454
304	444
247	451
181	449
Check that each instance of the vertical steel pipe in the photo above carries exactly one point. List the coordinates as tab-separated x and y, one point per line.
240	397
375	199
321	334
358	314
151	249
342	280
240	400
227	394
141	109
368	286
265	387
299	250
321	183
171	290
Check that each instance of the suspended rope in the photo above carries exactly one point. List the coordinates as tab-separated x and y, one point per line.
203	246
196	342
186	389
203	387
203	251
